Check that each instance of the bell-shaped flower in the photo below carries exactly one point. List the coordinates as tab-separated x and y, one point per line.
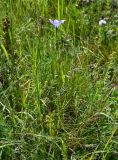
102	22
56	22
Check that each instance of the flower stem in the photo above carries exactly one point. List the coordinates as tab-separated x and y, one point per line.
56	39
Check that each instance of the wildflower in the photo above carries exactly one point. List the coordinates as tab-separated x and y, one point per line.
56	23
102	22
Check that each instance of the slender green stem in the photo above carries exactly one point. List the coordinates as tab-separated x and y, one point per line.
56	38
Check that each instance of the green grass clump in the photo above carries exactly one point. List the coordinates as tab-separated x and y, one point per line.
58	102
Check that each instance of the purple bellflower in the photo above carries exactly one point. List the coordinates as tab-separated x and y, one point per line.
56	22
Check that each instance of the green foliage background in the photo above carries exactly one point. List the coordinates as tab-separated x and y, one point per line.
58	102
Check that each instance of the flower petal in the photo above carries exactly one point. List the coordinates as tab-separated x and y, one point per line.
56	22
51	21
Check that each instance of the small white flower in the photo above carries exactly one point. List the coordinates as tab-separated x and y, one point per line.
56	22
102	22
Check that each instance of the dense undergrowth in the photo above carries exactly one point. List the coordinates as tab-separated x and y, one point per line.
58	102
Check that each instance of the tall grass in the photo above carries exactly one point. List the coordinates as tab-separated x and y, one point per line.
58	103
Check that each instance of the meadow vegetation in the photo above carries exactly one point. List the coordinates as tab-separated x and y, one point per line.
58	103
